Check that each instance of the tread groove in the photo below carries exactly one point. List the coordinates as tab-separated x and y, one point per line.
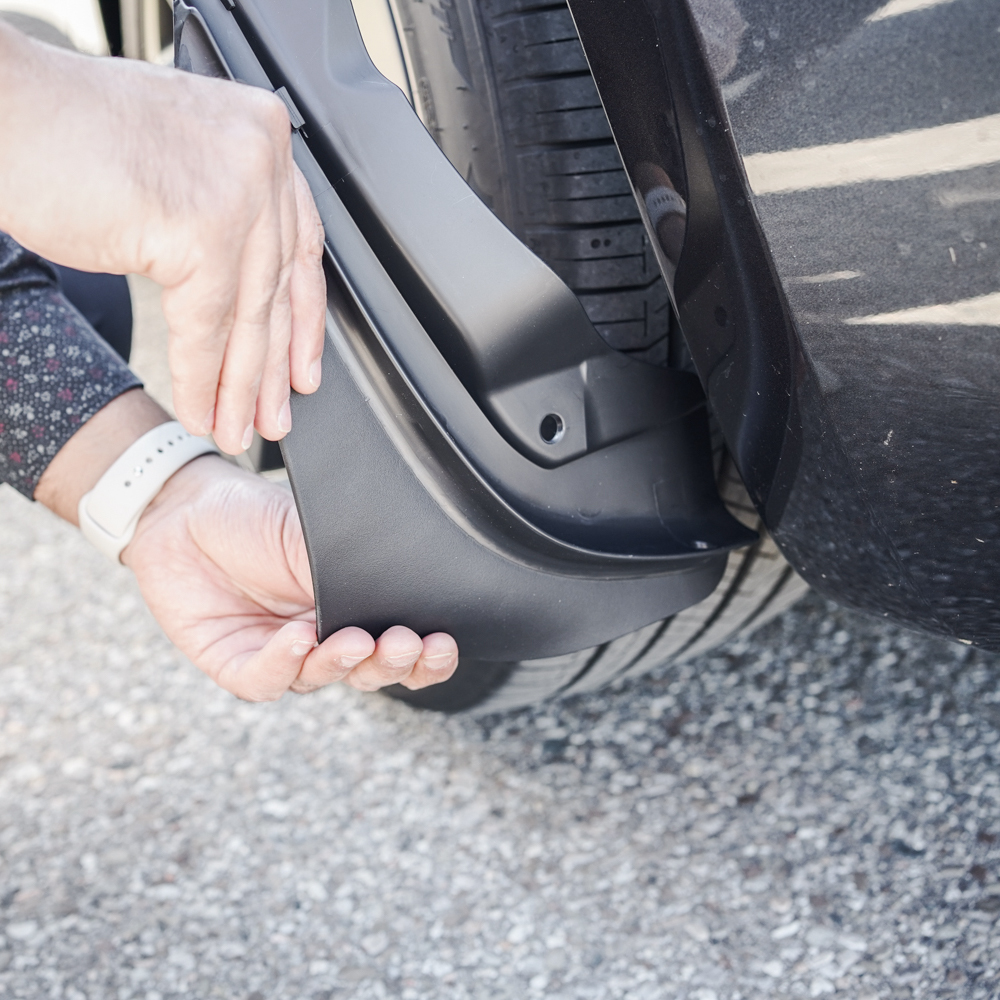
761	608
741	574
657	635
584	670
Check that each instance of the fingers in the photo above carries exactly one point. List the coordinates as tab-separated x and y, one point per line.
334	659
273	415
263	281
308	292
268	673
226	320
199	315
401	657
247	310
291	661
396	652
247	319
234	369
292	331
437	662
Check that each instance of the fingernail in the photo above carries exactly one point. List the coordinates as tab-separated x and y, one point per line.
349	662
209	425
300	647
285	417
247	437
315	373
439	661
403	660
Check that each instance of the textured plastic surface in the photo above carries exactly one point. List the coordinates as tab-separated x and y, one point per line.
421	468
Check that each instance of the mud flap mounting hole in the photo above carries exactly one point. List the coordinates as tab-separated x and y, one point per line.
552	428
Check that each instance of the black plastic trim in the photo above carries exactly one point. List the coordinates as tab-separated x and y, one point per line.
665	110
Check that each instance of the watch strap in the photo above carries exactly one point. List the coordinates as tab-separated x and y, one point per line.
110	512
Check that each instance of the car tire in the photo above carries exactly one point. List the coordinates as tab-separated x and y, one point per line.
504	88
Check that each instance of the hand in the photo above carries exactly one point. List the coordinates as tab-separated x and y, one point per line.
115	165
220	560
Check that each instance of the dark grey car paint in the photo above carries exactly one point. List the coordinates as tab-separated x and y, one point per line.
915	405
867	440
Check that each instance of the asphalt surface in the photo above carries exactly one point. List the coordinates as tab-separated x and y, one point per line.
815	810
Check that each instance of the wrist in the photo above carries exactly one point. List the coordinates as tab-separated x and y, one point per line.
110	512
180	493
94	448
187	483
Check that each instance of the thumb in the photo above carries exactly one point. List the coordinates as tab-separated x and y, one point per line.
267	674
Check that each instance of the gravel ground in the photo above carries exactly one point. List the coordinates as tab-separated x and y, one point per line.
809	812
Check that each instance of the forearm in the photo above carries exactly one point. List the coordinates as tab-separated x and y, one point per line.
90	452
51	103
95	163
55	371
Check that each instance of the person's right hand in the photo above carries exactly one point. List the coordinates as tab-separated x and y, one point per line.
118	166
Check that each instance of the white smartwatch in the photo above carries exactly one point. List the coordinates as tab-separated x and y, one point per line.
110	511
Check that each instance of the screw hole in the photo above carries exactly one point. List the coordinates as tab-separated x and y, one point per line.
552	428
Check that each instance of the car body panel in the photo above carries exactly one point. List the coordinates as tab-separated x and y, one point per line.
892	273
865	140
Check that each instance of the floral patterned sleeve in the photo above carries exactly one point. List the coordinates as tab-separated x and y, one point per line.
55	371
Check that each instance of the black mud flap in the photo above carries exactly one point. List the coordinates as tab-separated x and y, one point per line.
477	460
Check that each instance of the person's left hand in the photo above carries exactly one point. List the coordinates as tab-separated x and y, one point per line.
220	560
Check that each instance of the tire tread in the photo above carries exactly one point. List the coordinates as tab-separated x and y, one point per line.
529	132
